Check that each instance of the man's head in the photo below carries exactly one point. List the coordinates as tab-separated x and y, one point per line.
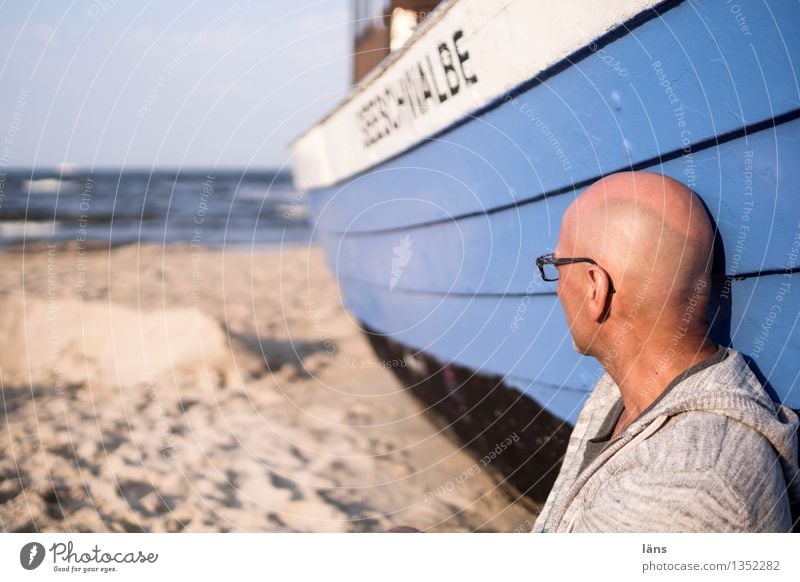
652	239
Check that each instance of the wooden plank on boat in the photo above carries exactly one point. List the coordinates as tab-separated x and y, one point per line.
740	182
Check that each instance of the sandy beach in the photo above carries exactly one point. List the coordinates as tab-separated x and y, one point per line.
178	388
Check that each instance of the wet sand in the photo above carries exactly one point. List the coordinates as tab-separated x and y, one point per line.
174	388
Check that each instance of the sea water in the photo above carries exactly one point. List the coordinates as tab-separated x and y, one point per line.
221	208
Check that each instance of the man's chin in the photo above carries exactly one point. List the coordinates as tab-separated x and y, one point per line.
578	349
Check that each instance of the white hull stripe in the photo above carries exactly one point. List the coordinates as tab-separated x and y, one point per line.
474	52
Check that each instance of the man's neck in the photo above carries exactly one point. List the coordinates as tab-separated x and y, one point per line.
643	376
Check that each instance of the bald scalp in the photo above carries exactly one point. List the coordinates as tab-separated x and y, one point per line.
650	233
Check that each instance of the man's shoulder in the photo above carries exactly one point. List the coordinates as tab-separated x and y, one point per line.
707	441
698	463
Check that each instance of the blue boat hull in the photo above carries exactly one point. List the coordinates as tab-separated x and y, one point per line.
434	247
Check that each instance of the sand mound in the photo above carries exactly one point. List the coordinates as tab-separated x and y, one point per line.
69	342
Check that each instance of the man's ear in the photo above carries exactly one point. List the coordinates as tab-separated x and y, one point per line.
599	302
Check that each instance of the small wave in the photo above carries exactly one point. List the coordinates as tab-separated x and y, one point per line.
47	186
20	229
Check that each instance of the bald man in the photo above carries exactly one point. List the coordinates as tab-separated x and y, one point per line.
678	435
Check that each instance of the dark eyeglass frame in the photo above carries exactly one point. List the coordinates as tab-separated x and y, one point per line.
549	259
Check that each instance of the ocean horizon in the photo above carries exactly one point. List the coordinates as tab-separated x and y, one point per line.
214	207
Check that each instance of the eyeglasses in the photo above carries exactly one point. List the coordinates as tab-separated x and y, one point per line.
548	266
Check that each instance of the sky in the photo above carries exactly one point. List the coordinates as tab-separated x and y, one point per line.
138	83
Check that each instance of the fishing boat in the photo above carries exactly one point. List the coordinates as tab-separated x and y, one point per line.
473	124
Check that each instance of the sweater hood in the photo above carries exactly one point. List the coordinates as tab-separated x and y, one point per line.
734	392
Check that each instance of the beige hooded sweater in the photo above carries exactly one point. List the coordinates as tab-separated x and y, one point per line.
712	454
